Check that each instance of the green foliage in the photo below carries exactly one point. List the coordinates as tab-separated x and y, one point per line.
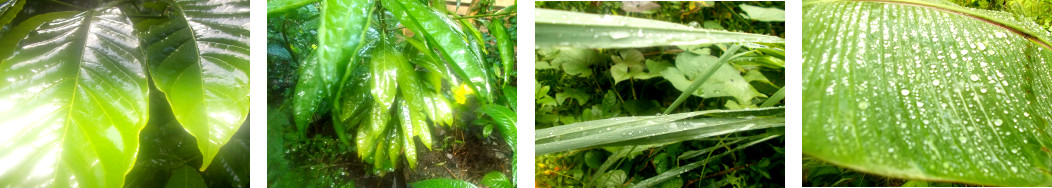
77	84
442	183
969	107
583	96
384	74
496	180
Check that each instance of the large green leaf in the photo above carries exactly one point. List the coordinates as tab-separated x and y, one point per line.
199	59
927	90
556	28
450	40
72	102
341	34
185	177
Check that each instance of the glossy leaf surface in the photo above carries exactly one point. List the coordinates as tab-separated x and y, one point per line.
927	90
452	43
8	10
199	59
73	101
505	46
505	119
557	28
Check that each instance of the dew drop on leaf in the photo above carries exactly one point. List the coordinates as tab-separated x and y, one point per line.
975	77
905	92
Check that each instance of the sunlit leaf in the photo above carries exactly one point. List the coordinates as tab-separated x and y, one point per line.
450	40
73	101
8	10
927	90
199	59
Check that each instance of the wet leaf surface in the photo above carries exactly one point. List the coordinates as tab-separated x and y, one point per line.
927	91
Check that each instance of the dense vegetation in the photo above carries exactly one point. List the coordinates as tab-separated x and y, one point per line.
597	96
382	93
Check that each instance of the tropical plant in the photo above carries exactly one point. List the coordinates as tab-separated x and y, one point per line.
593	145
77	79
927	90
380	74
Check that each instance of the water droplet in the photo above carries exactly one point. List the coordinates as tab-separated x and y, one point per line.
1014	169
981	46
920	104
975	77
998	122
953	56
890	150
936	82
863	105
905	92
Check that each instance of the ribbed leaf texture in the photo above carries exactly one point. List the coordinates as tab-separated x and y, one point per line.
199	59
927	90
72	102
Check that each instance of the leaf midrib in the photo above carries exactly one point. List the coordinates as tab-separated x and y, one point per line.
1025	33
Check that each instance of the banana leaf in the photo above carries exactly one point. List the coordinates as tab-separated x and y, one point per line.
927	90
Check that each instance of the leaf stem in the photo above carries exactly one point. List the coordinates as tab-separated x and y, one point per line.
698	81
485	15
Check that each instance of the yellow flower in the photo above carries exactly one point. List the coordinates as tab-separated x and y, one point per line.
460	93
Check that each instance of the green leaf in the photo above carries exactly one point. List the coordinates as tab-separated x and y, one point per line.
8	10
496	180
17	33
927	91
556	28
442	183
73	101
574	61
763	14
675	172
280	6
505	119
340	35
630	66
452	43
505	46
576	94
199	59
726	82
612	178
185	177
643	130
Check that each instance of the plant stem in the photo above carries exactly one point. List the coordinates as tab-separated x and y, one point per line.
700	80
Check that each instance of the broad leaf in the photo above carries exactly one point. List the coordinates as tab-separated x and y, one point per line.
452	43
341	34
73	101
199	59
763	14
556	28
496	180
927	90
725	82
505	119
630	65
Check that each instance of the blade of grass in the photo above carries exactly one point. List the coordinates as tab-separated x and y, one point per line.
777	96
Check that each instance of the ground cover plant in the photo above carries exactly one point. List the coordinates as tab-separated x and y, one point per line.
890	94
669	94
389	93
124	93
